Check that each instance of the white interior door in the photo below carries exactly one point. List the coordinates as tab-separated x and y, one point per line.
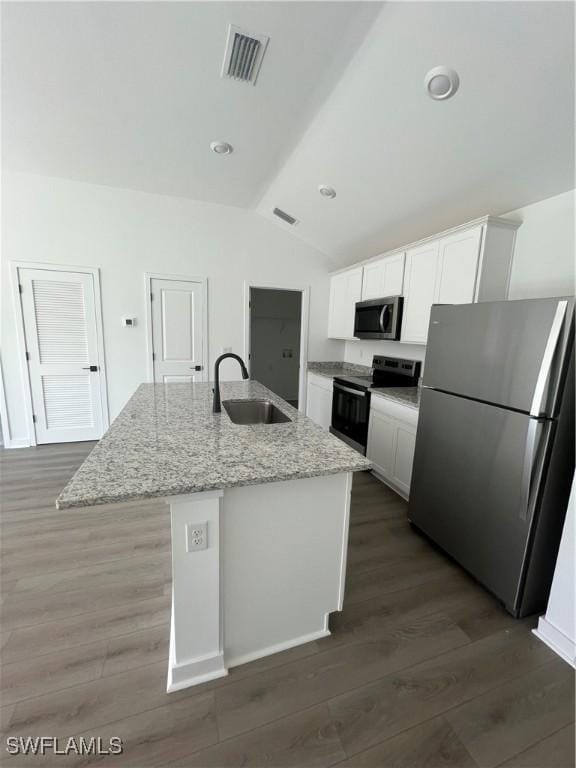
66	381
178	347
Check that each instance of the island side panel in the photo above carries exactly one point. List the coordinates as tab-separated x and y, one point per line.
284	560
196	633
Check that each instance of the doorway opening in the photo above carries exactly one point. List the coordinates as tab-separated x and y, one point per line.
277	340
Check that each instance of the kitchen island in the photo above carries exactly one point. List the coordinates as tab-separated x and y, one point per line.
259	518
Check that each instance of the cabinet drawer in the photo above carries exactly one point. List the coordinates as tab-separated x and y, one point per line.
394	410
324	382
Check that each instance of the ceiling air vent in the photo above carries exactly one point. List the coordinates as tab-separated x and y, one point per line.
284	216
243	55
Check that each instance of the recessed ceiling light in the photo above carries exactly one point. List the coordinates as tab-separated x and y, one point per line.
221	147
441	83
325	191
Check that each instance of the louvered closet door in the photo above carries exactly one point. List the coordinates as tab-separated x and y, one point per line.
60	325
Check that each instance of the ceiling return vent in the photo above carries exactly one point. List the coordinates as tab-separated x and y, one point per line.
284	216
243	55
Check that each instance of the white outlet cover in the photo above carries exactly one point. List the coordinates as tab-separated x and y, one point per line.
196	536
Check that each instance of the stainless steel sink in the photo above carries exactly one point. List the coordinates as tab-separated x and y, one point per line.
254	412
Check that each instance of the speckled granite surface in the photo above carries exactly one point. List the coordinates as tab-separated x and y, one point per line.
404	395
167	441
331	369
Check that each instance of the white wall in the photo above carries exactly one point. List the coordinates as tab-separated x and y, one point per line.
558	627
544	255
127	233
543	265
362	352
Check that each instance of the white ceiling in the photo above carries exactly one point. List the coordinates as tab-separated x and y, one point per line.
405	166
130	94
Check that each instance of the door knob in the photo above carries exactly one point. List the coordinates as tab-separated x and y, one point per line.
196	368
90	368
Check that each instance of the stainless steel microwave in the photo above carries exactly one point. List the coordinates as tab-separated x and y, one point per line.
379	318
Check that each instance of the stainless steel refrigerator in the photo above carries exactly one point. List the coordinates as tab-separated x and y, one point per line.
494	452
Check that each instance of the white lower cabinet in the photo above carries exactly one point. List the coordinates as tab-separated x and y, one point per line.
319	400
391	441
404	442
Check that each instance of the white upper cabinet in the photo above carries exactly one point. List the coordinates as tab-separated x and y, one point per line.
457	267
439	272
419	291
345	291
469	263
384	277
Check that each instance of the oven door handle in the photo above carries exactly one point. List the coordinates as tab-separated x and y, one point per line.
356	392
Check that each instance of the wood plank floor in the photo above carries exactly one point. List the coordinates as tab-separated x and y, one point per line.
422	668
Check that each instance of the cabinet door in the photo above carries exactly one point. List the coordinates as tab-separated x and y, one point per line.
404	442
373	280
319	405
457	267
353	294
419	291
384	277
380	448
394	275
337	304
345	291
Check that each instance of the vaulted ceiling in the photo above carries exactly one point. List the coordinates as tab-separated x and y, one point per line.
130	95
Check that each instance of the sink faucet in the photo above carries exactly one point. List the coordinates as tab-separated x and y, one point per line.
216	405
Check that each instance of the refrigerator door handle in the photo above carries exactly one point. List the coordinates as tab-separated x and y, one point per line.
537	436
547	359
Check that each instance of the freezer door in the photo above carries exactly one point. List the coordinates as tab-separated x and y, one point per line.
474	486
511	353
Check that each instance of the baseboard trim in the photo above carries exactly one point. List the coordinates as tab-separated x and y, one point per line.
194	672
556	640
202	670
20	443
245	658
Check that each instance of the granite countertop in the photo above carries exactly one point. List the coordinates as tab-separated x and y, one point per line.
404	395
336	368
166	441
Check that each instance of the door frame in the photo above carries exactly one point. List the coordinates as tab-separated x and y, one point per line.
15	267
304	314
6	434
148	277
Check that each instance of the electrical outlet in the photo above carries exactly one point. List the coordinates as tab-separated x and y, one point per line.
196	536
